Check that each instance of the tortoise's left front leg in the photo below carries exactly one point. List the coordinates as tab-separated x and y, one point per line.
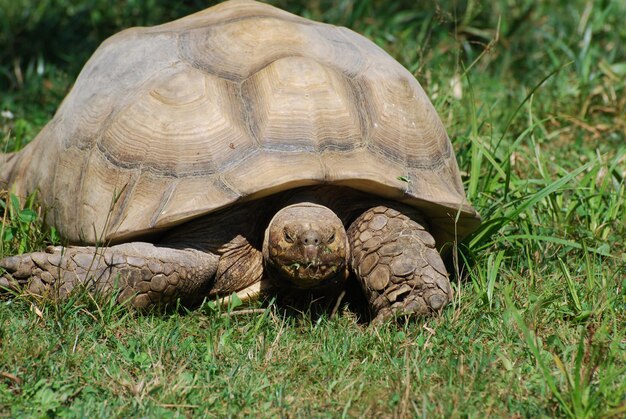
399	268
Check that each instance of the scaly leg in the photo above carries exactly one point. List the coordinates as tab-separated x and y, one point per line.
146	274
398	266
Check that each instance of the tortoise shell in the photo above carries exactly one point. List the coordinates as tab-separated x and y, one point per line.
236	102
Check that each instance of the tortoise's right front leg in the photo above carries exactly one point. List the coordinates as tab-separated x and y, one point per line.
146	274
396	261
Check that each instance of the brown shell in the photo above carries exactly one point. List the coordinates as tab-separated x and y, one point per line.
233	103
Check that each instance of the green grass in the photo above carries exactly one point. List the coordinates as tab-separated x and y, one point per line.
533	95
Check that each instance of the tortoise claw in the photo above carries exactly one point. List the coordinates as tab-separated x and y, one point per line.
11	265
15	272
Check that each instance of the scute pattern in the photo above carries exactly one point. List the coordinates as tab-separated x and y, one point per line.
110	81
185	124
300	105
402	126
230	104
263	40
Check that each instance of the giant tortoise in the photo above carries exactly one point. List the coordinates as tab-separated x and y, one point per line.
243	149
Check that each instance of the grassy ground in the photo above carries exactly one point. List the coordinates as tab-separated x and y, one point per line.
534	98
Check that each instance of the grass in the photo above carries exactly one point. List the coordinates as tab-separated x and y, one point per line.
533	95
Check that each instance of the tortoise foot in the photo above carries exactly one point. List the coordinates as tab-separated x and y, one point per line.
35	272
399	268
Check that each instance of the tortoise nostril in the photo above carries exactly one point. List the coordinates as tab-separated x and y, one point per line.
311	238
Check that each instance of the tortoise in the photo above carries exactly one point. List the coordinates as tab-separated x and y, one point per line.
243	149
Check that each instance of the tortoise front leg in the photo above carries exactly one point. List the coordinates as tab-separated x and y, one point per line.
395	259
146	274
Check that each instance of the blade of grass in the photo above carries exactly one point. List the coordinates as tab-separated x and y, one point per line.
487	230
570	285
536	351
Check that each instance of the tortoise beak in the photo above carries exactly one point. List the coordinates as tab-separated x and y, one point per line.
310	253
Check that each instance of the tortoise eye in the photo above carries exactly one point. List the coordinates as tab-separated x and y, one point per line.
331	238
289	238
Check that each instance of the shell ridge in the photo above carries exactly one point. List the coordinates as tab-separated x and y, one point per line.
165	199
249	120
81	191
118	209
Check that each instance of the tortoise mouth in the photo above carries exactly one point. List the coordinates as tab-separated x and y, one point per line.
311	274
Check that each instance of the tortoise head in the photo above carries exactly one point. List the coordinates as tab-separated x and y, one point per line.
306	246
